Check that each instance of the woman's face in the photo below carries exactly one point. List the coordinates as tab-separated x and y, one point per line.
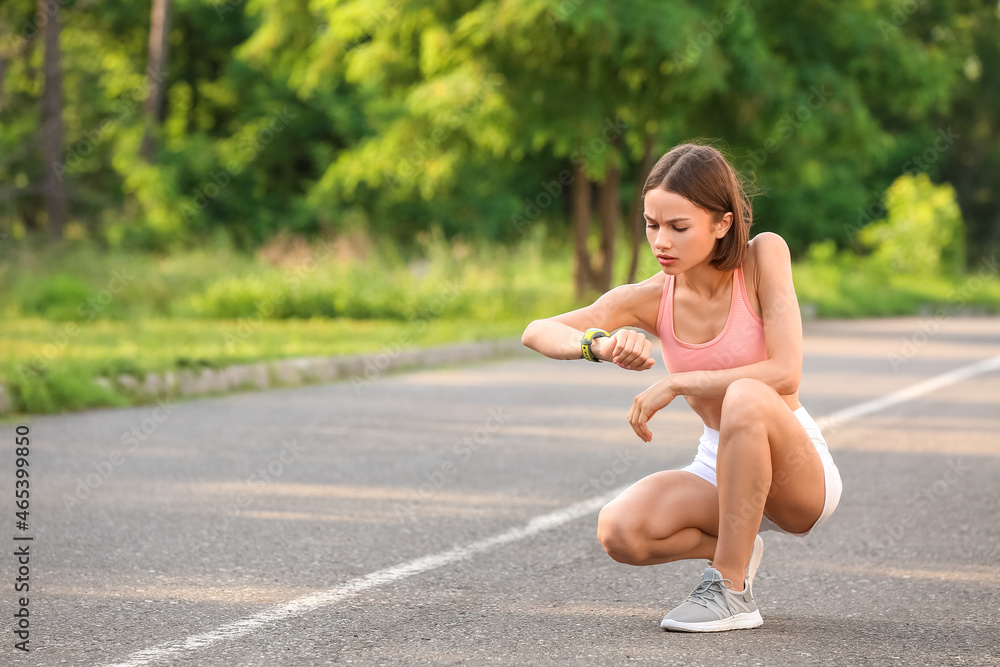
681	234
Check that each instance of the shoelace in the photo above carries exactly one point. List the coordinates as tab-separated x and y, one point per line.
703	592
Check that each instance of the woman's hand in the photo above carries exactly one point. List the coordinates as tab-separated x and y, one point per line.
647	404
626	348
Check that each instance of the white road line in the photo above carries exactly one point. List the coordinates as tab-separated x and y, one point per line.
909	393
306	603
312	601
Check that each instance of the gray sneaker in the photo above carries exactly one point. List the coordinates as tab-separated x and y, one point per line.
712	607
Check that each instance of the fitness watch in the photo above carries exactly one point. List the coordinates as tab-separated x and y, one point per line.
588	337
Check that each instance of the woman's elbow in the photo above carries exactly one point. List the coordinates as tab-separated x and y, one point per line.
788	382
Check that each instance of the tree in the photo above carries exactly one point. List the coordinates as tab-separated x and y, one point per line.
635	221
159	45
51	127
971	138
484	118
801	100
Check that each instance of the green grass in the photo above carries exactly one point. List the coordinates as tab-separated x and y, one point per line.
288	280
852	289
49	367
71	316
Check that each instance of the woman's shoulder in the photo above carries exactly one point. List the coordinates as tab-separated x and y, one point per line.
641	290
650	289
765	251
767	245
643	299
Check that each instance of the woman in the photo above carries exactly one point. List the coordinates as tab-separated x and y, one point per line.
725	311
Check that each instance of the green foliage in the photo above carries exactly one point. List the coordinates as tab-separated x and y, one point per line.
897	278
923	234
832	283
270	298
399	118
450	281
57	297
436	278
59	389
214	307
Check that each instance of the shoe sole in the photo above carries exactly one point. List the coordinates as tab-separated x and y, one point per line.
745	621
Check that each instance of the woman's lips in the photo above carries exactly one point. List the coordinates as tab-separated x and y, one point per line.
665	260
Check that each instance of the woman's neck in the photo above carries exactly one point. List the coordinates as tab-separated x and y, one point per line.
704	281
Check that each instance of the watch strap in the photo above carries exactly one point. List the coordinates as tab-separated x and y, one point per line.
588	337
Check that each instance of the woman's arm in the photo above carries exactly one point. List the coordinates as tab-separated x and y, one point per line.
628	305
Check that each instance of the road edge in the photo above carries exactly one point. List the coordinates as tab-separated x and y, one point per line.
294	372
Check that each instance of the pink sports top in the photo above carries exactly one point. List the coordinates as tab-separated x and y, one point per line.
741	342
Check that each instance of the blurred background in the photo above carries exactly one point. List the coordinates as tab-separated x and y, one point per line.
196	183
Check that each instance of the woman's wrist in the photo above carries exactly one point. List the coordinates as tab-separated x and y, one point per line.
675	383
602	348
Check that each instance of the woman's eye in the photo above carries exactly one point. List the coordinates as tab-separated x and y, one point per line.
650	226
681	229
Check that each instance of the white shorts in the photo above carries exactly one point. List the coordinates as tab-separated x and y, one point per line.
708	448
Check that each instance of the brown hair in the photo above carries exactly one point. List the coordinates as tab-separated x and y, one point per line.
702	175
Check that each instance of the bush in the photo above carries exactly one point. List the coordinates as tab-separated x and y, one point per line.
60	297
59	388
923	234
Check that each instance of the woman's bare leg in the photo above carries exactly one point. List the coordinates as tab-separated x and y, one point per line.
665	517
766	463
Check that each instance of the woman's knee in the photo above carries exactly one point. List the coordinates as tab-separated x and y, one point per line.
746	402
620	537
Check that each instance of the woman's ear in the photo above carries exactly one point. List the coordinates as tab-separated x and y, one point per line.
723	225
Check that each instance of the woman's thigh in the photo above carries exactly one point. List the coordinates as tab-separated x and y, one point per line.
664	503
798	480
796	493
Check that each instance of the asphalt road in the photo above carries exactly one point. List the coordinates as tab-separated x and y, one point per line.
397	522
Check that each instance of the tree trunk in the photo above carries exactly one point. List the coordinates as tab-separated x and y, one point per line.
581	212
609	205
51	126
159	31
635	220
